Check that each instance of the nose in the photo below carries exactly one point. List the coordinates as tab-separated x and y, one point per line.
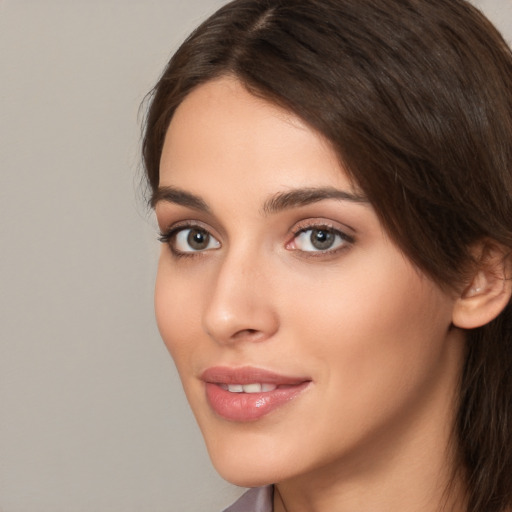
241	306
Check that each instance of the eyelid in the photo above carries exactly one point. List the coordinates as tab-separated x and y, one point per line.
345	230
168	235
321	224
171	216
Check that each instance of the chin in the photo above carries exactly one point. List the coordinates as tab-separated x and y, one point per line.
249	462
246	478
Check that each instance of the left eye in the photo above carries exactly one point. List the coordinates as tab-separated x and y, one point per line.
194	240
319	239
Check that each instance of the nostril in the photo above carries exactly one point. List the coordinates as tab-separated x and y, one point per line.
253	334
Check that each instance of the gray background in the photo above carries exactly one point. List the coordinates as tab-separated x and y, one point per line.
92	417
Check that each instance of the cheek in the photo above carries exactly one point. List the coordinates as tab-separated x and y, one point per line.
377	348
377	329
176	317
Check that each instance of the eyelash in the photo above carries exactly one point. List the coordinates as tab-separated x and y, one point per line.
347	240
169	237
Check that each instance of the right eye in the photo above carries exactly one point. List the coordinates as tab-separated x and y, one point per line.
190	240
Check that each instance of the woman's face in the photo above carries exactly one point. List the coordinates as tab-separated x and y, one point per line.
303	337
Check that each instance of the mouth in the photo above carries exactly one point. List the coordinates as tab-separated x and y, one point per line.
247	393
255	387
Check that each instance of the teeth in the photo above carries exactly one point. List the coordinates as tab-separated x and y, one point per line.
249	388
252	388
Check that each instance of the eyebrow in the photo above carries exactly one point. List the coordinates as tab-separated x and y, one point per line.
178	196
305	196
278	202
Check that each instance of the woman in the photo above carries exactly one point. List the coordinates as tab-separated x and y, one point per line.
332	181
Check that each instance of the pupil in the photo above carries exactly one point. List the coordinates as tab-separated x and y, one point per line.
198	239
321	239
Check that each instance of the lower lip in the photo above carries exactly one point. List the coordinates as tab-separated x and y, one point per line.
245	407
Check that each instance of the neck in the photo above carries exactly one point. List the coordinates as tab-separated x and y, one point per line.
398	496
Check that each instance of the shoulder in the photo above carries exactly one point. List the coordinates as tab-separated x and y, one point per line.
258	499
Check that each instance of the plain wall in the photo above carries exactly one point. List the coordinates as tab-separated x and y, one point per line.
92	416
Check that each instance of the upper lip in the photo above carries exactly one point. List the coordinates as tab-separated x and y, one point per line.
248	375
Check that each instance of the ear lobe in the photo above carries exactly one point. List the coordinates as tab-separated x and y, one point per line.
489	290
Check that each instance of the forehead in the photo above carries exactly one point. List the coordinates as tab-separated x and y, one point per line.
223	131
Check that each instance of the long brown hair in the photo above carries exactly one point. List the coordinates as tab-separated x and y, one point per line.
416	98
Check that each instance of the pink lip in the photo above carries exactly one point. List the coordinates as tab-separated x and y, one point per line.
245	407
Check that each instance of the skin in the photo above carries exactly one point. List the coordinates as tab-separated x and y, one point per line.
373	334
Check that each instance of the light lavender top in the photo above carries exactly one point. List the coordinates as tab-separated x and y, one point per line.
258	499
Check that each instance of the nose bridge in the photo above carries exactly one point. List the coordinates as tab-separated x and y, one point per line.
240	306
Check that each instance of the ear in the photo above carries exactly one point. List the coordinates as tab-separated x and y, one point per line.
490	288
